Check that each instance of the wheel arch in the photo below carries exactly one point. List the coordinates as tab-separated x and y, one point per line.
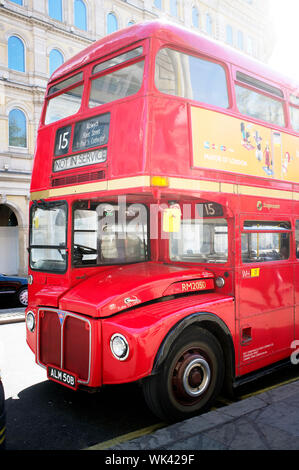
215	326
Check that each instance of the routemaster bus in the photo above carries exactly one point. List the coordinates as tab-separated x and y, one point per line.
164	219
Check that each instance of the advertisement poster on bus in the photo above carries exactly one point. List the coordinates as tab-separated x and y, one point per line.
223	142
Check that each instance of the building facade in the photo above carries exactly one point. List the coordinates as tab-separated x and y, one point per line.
36	36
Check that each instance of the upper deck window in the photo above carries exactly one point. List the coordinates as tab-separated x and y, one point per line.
242	77
259	106
119	83
117	60
294	99
66	83
294	118
190	77
67	103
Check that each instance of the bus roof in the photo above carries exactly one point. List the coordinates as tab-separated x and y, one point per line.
172	34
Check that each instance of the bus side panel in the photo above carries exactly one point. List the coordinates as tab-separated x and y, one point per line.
170	147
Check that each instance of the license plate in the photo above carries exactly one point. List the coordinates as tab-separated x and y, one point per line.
62	376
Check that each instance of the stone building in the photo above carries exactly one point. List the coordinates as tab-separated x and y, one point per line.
36	36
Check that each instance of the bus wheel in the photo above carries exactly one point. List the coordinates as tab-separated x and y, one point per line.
190	379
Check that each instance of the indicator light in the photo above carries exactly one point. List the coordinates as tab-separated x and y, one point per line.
159	181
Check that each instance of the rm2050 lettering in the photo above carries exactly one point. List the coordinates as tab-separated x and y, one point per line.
193	285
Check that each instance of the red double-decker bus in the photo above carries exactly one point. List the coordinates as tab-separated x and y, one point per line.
164	219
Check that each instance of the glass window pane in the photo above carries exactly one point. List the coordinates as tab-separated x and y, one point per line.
191	77
294	118
80	17
200	241
209	25
16	54
18	2
55	9
262	225
294	99
264	247
158	4
48	238
66	83
112	24
174	7
229	34
116	85
118	60
240	40
64	105
17	128
55	60
109	234
195	17
259	106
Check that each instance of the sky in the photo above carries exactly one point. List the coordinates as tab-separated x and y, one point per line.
285	17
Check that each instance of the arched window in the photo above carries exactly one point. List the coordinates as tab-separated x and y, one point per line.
16	54
17	128
19	2
195	17
55	60
131	23
112	23
158	4
80	15
209	24
174	7
55	9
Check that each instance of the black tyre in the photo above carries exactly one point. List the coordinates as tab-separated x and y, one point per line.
22	296
190	378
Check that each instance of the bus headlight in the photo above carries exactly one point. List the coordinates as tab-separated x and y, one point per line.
119	346
30	321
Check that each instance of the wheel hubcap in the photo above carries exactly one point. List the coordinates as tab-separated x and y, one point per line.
191	377
196	377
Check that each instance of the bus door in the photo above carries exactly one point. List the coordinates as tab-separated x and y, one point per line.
265	292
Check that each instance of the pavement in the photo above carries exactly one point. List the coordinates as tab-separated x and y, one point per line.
266	421
12	315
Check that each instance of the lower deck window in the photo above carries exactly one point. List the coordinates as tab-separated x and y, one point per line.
266	246
200	241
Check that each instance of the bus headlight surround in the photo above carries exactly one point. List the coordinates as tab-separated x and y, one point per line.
119	346
30	321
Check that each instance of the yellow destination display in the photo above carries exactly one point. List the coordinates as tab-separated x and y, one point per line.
222	142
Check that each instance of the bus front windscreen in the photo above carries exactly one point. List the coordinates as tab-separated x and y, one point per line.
109	234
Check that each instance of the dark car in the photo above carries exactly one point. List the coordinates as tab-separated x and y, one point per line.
17	286
2	417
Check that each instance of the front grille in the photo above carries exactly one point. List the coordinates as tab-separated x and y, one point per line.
64	342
